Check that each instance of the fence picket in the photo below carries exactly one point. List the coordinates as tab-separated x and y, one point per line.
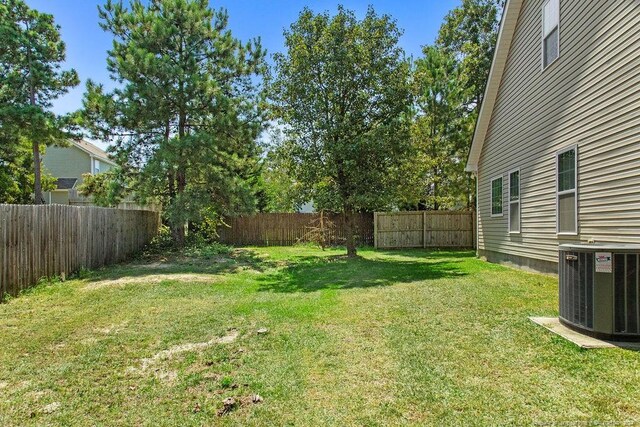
286	229
424	229
51	240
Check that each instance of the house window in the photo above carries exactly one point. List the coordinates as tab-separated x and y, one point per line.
567	200
514	201
550	32
496	197
96	166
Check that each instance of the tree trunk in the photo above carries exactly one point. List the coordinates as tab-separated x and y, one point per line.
323	232
179	229
178	234
38	199
435	196
348	229
37	179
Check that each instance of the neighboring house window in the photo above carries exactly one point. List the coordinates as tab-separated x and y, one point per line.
496	197
514	201
550	32
96	166
567	199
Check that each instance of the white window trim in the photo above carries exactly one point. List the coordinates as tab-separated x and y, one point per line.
574	191
501	214
518	202
543	37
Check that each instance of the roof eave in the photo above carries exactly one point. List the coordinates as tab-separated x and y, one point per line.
93	155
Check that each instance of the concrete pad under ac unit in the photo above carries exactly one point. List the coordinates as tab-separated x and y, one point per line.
581	340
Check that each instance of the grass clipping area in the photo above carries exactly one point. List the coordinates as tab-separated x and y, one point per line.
297	336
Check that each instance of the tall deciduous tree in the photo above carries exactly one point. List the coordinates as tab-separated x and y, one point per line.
186	113
342	91
31	56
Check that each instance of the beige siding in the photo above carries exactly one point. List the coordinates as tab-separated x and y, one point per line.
66	162
70	162
590	97
60	197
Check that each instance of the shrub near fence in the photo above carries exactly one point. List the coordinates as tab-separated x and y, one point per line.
53	240
286	229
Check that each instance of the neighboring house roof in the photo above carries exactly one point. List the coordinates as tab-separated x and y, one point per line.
505	37
93	151
66	183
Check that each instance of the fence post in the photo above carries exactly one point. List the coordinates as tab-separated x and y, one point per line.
375	230
424	229
474	229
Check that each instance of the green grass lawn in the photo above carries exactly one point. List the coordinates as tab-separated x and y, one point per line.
392	338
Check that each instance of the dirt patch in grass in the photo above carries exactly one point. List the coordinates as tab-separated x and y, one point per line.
112	329
183	348
51	408
151	279
154	269
166	376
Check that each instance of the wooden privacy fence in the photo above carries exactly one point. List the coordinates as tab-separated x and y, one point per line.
424	229
286	229
55	240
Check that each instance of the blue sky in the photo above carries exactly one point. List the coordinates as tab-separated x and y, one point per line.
87	44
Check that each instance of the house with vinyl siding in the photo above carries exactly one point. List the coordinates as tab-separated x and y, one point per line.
69	164
556	149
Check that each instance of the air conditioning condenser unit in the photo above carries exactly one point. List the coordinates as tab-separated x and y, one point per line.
599	292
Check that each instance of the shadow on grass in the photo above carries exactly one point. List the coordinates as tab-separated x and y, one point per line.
298	272
427	253
311	274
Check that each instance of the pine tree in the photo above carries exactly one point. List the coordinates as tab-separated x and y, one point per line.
187	112
31	55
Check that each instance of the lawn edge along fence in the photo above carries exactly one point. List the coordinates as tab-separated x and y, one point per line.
287	229
57	240
424	229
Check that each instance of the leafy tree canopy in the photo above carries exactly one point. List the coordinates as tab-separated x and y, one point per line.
341	90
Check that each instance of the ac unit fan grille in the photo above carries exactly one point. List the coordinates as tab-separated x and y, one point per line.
626	315
576	288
